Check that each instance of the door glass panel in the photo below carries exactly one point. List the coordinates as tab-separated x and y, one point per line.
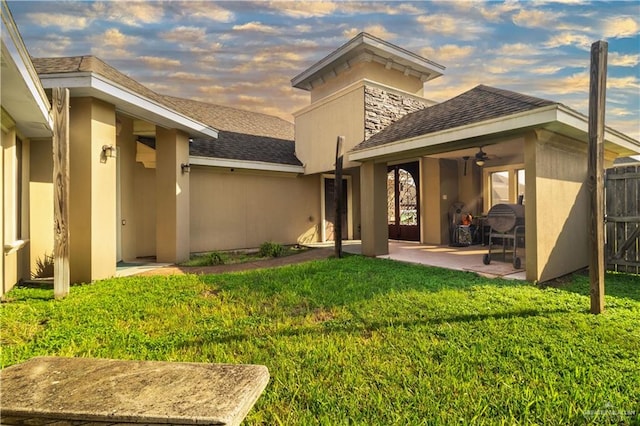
391	198
499	188
520	180
408	198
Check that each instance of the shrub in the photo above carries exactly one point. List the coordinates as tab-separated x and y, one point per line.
270	249
44	267
215	258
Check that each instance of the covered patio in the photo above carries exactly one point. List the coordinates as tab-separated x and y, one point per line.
442	256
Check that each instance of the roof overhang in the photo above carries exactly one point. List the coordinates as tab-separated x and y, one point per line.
244	164
90	84
22	95
556	118
368	48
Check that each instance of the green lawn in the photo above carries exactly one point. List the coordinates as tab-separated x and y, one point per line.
364	341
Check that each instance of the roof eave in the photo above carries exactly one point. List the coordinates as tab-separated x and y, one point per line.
245	164
539	117
25	100
364	41
128	101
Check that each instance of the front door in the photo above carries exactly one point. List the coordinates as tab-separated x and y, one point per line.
403	201
330	209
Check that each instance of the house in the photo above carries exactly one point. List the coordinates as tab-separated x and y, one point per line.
154	176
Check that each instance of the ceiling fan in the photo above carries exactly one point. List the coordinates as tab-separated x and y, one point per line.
481	157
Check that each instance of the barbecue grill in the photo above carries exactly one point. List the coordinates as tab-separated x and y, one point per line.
506	223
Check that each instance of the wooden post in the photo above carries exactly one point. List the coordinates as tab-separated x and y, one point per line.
61	192
597	96
337	226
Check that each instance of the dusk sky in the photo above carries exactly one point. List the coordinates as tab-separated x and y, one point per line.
244	54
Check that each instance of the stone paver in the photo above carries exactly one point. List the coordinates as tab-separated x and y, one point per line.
73	391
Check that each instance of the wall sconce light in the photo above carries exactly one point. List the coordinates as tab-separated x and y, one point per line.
186	168
109	151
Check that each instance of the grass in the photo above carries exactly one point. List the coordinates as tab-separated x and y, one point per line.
364	341
232	257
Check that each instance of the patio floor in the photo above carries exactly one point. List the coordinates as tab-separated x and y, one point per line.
456	258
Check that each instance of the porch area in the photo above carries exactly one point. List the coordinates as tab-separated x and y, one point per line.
456	258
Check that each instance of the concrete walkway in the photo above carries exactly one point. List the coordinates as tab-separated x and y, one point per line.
456	258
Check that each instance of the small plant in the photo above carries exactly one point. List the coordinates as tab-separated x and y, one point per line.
208	259
271	249
44	267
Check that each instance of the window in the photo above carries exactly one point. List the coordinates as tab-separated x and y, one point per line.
503	185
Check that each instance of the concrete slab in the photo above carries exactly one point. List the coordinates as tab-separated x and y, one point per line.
456	258
77	390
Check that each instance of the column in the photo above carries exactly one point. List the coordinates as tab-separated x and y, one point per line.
373	196
172	196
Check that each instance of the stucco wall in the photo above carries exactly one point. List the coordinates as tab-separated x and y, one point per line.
561	211
92	212
318	126
144	210
385	106
241	209
372	71
41	202
439	179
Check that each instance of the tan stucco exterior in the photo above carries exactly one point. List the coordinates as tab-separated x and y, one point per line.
172	196
92	211
372	71
319	125
243	209
41	202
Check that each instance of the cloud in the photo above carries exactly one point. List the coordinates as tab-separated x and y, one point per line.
256	26
63	21
449	25
53	45
569	39
182	34
618	60
132	13
621	27
517	49
112	44
303	9
447	53
190	77
508	65
375	30
159	63
546	69
205	10
535	18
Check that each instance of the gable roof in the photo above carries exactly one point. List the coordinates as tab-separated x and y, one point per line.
90	76
242	135
476	105
235	119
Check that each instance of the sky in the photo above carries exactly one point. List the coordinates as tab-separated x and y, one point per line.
244	53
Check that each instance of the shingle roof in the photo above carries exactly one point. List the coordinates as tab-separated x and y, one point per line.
240	146
242	135
476	105
92	64
234	119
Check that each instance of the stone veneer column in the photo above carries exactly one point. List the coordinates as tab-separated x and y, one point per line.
373	204
172	196
383	107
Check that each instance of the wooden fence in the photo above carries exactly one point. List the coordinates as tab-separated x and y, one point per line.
622	197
